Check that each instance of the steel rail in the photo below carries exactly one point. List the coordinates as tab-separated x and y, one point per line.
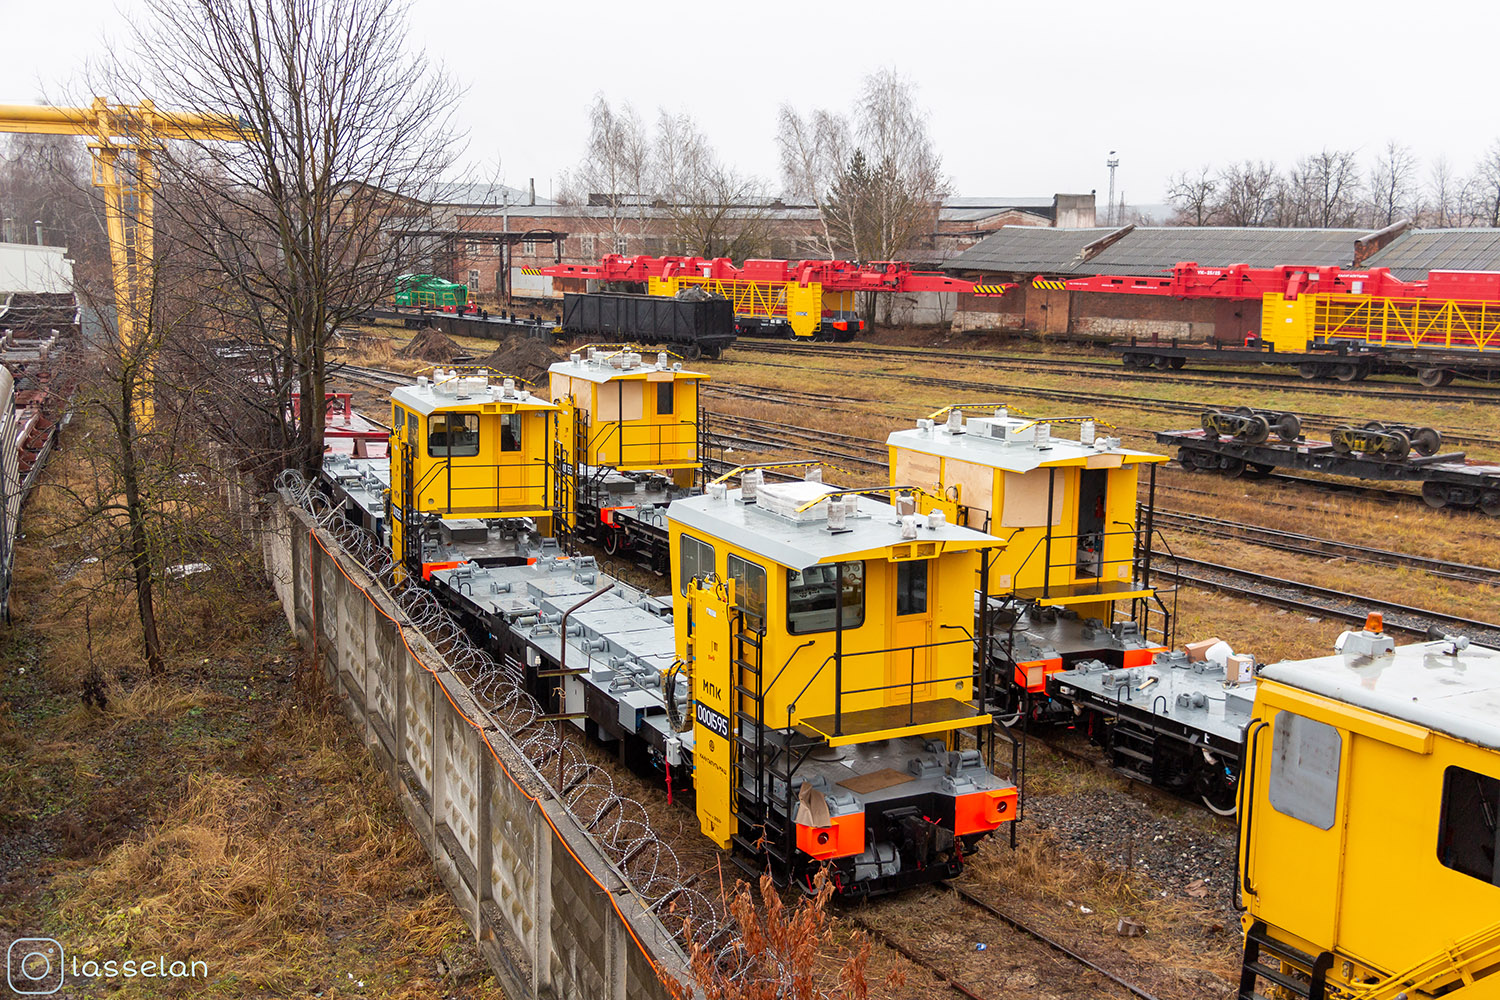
1047	940
1252	379
1064	395
1259	593
1291	541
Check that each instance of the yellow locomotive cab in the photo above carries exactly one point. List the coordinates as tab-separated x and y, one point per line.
1370	858
829	643
467	449
1004	473
628	413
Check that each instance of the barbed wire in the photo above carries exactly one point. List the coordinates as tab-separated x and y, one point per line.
619	824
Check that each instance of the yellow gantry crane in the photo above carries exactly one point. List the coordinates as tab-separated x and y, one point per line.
136	132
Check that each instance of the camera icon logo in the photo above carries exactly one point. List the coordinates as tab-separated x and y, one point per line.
34	966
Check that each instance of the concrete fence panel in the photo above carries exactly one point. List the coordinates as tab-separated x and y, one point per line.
552	916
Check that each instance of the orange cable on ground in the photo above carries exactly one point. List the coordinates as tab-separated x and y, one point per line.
312	534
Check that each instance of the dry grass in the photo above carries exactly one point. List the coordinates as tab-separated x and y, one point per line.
214	813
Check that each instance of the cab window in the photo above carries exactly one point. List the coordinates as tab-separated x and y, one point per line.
1468	835
911	588
1304	782
398	418
453	435
810	597
694	558
510	432
664	398
749	586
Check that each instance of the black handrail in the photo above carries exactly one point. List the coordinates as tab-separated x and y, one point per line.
910	684
1247	809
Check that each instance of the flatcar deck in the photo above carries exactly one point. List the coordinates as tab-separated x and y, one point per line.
1448	479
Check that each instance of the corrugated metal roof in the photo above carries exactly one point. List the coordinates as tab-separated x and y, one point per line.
997	202
1039	249
467	193
1155	250
1412	254
1148	251
980	214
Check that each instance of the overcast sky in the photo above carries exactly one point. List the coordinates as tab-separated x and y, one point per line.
1025	99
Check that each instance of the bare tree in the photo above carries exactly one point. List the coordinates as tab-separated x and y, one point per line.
712	210
1328	183
1246	194
1443	192
616	173
345	131
44	179
814	151
1192	195
910	184
1484	187
1393	185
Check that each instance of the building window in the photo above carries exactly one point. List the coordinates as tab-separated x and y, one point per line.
622	245
473	278
749	587
911	588
1468	835
1304	782
694	558
453	435
510	432
810	600
528	247
472	249
664	391
586	247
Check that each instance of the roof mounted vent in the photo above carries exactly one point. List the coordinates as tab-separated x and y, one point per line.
955	421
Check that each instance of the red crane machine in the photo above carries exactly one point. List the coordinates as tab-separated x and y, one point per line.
1331	321
803	300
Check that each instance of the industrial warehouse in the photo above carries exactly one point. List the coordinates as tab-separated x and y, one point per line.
586	538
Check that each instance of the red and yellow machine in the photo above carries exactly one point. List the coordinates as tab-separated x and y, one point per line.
1445	325
804	300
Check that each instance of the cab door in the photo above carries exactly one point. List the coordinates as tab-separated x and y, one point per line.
1293	830
909	662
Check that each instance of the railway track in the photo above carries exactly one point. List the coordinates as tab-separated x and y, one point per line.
1315	600
1290	541
1036	938
755	433
1242	377
1125	399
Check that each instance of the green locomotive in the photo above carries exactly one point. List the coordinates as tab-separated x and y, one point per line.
428	291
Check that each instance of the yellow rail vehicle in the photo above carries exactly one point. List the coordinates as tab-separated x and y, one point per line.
1067	510
829	644
627	413
627	445
1370	849
470	461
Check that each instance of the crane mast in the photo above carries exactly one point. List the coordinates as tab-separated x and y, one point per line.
124	141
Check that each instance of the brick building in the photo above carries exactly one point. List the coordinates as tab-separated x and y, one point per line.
1021	254
475	228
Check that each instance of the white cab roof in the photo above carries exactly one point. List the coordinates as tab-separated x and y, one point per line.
1014	444
599	366
806	539
1424	683
459	391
